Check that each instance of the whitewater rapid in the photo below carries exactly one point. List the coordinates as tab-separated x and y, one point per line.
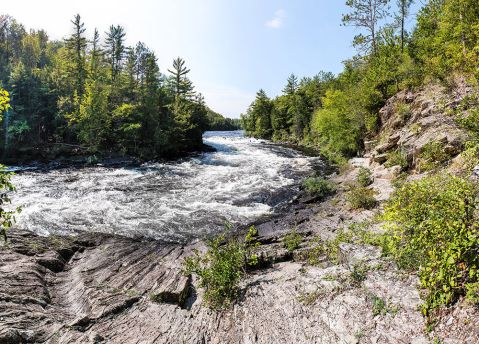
243	181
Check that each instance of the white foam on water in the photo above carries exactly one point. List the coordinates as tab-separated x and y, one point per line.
176	201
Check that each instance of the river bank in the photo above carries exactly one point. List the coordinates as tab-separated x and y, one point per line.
101	288
105	288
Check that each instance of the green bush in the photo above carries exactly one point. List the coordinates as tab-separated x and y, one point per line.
397	158
292	240
432	156
404	111
319	187
432	227
221	268
360	197
365	176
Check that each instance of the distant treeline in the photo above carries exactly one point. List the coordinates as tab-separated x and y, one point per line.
218	122
336	113
95	94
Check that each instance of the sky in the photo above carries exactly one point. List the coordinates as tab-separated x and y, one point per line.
233	47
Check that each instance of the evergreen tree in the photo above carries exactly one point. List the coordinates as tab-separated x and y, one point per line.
76	46
403	14
366	14
291	86
181	86
115	49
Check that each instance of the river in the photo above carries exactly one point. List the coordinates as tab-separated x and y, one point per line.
243	181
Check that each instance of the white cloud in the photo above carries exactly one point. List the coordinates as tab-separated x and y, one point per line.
277	21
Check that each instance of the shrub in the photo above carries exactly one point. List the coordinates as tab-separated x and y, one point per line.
319	187
221	268
404	111
432	156
360	197
399	180
470	157
431	226
292	240
397	158
365	177
7	218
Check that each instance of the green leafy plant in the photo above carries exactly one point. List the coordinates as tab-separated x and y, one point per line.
432	156
292	240
222	266
359	272
399	180
397	158
404	111
432	227
365	176
7	217
360	197
319	187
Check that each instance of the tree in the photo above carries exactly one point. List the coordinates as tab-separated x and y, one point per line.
366	14
115	49
96	55
403	6
291	86
179	82
76	45
93	122
261	110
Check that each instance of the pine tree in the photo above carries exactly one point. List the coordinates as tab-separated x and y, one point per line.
179	82
115	49
76	46
96	55
403	14
291	86
366	14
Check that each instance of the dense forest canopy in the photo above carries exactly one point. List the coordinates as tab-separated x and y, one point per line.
336	113
95	94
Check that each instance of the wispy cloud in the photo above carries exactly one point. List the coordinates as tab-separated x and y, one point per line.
277	21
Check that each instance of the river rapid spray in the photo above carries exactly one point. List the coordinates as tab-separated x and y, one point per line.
243	181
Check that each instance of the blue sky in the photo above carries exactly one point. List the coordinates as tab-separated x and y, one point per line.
233	47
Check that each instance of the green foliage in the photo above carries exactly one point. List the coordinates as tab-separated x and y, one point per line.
472	293
445	38
432	156
403	111
432	227
7	217
99	95
359	272
4	101
397	158
220	271
319	187
331	247
221	268
360	197
379	306
399	180
337	130
365	177
292	240
218	122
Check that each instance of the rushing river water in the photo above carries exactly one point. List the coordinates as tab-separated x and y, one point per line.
244	180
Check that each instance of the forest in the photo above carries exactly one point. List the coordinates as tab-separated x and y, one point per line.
86	95
336	113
